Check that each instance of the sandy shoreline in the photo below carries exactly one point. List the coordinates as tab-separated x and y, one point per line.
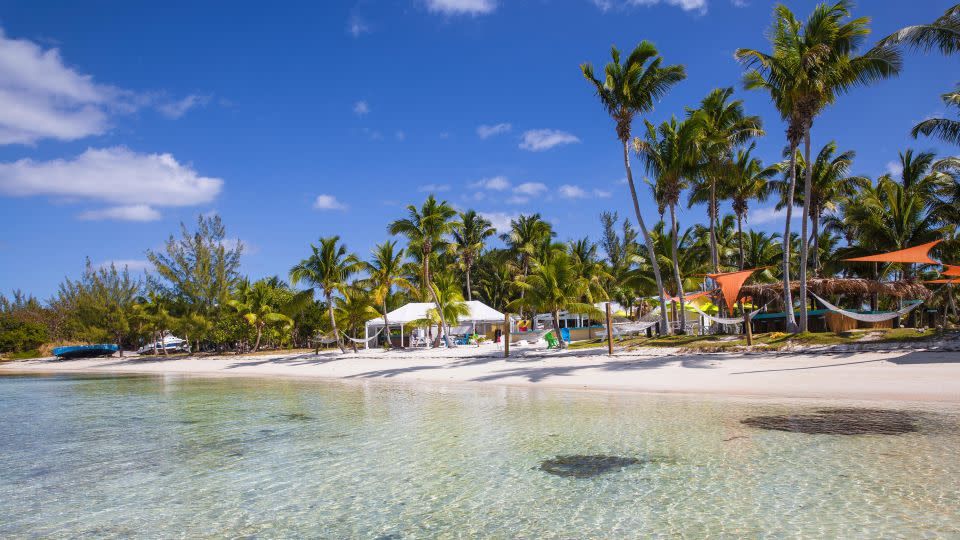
905	375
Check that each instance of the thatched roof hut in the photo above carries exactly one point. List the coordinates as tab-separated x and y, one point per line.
855	287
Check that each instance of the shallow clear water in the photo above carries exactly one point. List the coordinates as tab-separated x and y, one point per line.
171	457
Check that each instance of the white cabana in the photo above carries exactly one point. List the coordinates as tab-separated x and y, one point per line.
480	313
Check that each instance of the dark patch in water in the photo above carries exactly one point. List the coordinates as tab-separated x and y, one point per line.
188	422
841	421
577	466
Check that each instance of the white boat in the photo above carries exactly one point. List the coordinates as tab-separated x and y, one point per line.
168	343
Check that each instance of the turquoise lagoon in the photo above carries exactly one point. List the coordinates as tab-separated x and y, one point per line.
181	457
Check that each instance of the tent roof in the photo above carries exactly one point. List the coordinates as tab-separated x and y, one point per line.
414	311
915	254
731	283
951	270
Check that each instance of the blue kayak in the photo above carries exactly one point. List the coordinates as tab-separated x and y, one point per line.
85	351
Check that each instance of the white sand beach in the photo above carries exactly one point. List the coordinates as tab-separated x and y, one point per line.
905	375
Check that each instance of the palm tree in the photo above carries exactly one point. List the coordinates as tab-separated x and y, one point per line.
630	89
670	153
255	303
527	233
554	286
469	235
587	265
810	65
723	126
830	186
748	181
450	302
328	267
426	229
762	249
353	309
386	272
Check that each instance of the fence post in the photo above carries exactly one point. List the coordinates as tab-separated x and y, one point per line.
506	335
747	325
609	331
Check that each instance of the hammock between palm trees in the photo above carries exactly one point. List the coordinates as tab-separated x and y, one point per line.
355	340
634	327
868	317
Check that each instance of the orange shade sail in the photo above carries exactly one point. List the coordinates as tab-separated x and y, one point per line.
730	284
915	254
686	297
956	281
951	270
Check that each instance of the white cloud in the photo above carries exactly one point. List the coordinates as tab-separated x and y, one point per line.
496	183
434	188
894	168
537	140
530	188
357	27
132	265
136	212
114	175
461	7
177	109
572	192
739	3
485	131
400	136
499	220
361	108
518	199
770	214
686	5
601	193
328	202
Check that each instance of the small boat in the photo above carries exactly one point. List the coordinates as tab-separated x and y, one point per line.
85	351
168	343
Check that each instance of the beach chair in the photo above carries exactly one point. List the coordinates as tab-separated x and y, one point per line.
552	342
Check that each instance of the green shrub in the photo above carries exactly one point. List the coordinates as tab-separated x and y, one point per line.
18	336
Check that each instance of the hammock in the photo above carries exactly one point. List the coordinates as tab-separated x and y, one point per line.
355	340
869	317
726	320
325	340
635	327
534	336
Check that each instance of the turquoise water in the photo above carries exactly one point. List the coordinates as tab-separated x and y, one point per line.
171	457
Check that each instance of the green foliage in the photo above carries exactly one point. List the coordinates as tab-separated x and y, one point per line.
19	336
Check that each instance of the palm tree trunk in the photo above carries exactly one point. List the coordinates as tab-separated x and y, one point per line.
155	344
556	329
436	301
676	268
256	346
713	227
740	238
469	285
791	322
815	239
333	320
804	239
386	326
664	327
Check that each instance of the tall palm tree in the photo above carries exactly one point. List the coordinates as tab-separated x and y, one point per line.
671	154
353	309
943	33
328	267
723	126
386	272
527	233
426	229
554	286
945	129
748	181
630	89
450	305
469	234
810	65
830	186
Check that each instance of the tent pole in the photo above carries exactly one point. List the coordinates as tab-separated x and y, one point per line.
401	335
366	337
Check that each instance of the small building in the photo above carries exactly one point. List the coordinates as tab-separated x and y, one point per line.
407	321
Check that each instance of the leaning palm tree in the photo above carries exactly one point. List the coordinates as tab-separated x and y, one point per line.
451	306
385	272
328	267
748	181
723	127
527	232
671	154
469	234
554	286
811	63
630	89
256	305
353	309
945	129
426	229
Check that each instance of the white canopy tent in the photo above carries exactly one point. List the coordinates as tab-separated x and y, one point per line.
480	313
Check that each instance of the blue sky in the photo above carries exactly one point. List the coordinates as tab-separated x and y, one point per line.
118	120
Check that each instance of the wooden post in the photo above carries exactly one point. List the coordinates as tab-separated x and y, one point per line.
609	331
506	335
746	325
